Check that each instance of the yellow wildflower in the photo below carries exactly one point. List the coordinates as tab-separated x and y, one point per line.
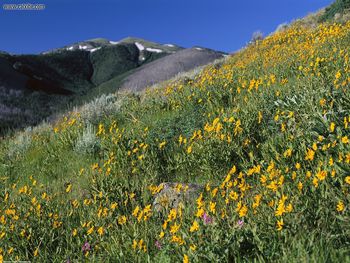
189	149
193	247
338	75
280	224
287	153
322	102
300	186
194	227
174	228
114	206
136	211
162	145
68	188
321	175
185	259
122	220
90	230
200	212
243	211
347	180
340	206
310	155
100	231
134	244
161	235
212	207
260	116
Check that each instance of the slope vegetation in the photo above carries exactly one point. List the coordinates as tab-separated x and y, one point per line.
264	134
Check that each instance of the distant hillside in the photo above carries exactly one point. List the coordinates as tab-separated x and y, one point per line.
46	83
167	67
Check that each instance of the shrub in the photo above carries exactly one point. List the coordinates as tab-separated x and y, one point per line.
100	107
20	143
281	27
87	142
257	36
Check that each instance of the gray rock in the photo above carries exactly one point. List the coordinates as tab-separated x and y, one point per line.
174	195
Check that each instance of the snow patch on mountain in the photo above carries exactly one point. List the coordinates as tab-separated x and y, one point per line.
83	47
154	50
95	49
139	46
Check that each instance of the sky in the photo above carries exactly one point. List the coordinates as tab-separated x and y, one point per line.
225	25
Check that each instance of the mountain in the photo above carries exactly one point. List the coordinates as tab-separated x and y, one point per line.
93	45
35	86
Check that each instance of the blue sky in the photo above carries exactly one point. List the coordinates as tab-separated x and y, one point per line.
224	25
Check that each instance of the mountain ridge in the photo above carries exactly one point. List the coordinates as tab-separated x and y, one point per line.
64	75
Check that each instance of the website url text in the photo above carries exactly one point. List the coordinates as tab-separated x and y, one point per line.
26	7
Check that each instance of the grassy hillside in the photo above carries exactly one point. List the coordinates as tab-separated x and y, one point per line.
338	8
265	133
337	12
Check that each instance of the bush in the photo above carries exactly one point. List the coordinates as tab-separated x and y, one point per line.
257	36
20	143
100	107
281	27
87	142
